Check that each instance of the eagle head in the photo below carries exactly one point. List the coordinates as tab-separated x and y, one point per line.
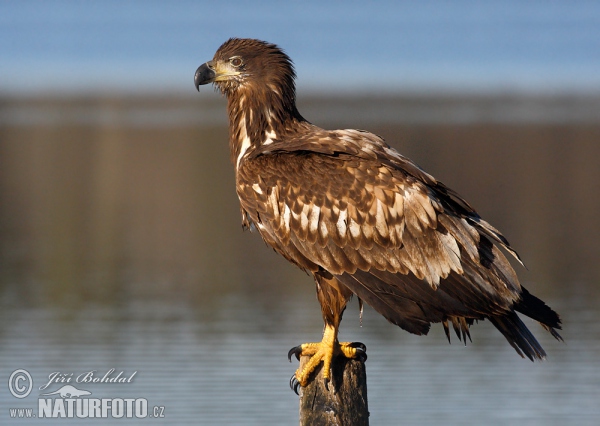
248	64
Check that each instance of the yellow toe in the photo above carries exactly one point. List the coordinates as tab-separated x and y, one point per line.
325	351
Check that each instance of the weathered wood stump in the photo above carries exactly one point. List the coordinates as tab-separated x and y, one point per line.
343	402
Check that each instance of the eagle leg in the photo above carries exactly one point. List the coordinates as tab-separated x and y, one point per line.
325	351
333	297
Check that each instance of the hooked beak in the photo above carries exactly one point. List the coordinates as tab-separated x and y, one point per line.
205	74
215	71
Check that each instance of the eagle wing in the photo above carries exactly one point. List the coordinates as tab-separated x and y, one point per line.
346	203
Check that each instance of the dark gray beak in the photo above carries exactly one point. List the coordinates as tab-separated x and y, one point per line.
204	74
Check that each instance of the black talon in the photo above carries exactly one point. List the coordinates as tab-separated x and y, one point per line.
359	345
294	384
296	350
361	350
361	355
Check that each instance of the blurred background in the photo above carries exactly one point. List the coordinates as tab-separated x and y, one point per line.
120	236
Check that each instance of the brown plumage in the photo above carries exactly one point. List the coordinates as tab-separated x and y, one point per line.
360	217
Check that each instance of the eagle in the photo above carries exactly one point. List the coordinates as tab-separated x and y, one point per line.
361	218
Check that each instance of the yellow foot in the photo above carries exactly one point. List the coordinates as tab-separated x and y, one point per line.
323	351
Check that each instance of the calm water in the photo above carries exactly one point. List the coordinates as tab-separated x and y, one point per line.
352	46
235	371
121	248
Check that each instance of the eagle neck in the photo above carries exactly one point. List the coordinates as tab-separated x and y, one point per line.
256	120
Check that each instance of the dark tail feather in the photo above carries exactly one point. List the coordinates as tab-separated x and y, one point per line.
536	309
461	328
518	335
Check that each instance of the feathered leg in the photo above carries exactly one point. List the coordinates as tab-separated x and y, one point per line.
333	297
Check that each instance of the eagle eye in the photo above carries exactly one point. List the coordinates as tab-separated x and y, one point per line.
236	61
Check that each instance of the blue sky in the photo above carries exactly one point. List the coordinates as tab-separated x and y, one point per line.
67	46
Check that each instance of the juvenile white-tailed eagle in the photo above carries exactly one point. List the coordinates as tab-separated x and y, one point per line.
360	217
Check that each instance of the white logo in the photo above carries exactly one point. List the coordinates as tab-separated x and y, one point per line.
14	383
69	401
68	391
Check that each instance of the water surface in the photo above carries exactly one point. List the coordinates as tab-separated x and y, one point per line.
121	247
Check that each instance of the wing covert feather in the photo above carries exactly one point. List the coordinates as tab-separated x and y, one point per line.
322	206
346	202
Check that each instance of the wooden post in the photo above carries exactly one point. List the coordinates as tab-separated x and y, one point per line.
343	403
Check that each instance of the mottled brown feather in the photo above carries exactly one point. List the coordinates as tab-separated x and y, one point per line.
362	218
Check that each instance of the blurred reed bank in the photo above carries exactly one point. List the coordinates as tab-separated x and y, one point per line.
121	247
